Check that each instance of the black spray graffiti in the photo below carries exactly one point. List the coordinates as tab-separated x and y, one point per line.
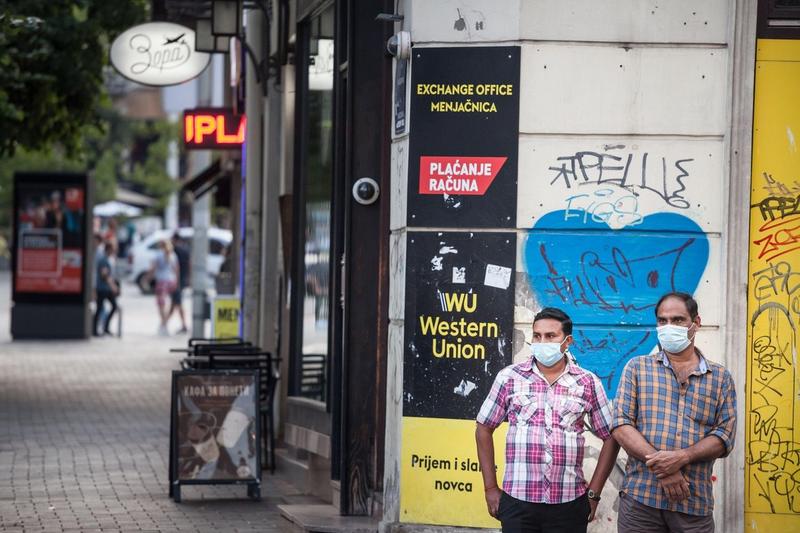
629	171
773	453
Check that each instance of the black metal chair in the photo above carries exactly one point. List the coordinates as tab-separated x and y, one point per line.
312	379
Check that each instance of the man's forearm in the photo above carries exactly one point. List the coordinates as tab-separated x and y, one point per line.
483	438
707	449
634	442
605	464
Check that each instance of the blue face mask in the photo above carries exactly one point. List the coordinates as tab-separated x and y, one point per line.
547	353
673	339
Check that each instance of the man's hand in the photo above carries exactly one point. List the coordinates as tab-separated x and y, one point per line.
665	463
493	500
675	487
593	508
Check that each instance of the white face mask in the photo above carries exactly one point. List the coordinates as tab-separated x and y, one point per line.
674	339
547	353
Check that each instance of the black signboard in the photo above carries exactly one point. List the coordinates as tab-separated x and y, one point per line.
215	428
459	320
400	84
464	137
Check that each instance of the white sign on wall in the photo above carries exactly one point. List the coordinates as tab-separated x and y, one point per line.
158	53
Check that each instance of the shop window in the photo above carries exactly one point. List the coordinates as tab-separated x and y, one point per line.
312	326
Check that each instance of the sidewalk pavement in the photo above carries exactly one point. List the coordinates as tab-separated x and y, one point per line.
84	429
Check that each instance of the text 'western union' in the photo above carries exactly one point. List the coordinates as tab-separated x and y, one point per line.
449	335
434	325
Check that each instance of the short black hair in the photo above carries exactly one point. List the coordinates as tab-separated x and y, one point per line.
555	314
685	297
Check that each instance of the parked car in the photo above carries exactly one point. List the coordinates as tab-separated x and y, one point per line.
142	254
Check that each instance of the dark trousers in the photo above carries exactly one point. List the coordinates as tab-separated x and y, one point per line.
518	516
102	296
635	516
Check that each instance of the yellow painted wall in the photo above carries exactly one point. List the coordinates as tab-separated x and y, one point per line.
772	432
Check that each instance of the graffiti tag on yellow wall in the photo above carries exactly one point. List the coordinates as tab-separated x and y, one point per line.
772	457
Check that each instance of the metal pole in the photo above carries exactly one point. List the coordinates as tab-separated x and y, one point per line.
201	217
254	109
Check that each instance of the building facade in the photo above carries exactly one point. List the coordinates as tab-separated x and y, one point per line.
530	153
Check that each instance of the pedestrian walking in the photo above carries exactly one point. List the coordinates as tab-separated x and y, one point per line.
674	413
545	399
107	289
183	256
99	254
164	270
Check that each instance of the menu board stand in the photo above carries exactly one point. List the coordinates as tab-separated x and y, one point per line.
215	432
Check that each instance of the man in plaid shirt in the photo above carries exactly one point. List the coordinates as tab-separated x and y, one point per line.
674	413
545	399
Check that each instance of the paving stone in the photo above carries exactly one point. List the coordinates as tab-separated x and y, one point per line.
84	428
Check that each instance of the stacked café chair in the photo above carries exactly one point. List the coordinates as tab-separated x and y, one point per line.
235	353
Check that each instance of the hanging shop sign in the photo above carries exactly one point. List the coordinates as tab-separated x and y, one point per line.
158	53
213	129
464	137
459	326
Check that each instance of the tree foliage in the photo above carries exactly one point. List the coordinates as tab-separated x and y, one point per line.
52	54
54	111
106	155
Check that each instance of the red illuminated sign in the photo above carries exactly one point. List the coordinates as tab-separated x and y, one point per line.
468	175
213	128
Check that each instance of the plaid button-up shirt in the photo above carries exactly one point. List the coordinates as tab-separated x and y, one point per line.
544	444
672	417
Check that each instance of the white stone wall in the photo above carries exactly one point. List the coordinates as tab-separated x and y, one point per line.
640	83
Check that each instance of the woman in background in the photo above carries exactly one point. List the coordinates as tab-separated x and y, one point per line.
164	270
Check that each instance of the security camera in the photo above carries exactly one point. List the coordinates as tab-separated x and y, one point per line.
366	191
399	45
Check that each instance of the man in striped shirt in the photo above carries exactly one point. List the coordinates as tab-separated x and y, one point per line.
674	413
545	399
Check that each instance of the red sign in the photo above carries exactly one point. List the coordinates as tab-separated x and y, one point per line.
458	175
212	128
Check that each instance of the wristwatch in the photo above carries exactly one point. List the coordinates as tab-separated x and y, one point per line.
593	495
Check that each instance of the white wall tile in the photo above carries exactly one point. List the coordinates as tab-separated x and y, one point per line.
600	89
644	21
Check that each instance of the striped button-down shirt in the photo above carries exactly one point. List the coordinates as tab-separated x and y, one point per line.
672	416
544	444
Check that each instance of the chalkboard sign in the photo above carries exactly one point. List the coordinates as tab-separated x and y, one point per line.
215	435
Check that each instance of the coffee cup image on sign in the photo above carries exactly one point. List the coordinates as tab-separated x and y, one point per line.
232	428
201	435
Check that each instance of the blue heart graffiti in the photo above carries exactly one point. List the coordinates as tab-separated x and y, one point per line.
608	281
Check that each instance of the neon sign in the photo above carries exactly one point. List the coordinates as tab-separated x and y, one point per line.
213	129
